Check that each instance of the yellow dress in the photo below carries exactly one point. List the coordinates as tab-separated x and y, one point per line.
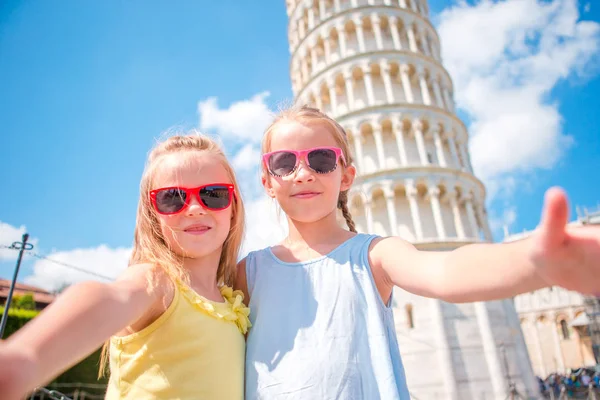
194	350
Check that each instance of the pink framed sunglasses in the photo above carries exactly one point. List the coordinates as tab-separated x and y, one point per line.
173	200
322	160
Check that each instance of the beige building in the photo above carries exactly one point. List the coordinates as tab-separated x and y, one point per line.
375	66
555	322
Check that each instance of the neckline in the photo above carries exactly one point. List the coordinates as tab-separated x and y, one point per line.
312	260
189	289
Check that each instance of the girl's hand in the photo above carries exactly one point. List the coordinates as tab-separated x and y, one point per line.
16	369
566	256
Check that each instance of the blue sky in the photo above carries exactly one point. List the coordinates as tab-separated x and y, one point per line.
85	91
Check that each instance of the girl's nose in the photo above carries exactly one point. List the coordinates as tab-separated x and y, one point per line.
194	207
303	173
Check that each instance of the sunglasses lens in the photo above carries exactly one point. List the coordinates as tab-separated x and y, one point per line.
170	201
322	160
215	197
282	163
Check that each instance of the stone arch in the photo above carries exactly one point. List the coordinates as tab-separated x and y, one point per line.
375	190
541	319
404	228
399	95
320	51
370	162
351	35
386	33
357	204
358	88
564	329
379	210
357	201
340	93
304	19
324	94
335	52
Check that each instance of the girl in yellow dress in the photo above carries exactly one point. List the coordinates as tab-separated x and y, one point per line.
173	328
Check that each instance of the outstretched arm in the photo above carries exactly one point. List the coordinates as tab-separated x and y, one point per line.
73	326
553	255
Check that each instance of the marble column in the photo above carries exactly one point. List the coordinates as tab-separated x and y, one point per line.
391	209
406	86
434	198
439	146
332	95
460	230
412	194
393	22
349	80
377	135
387	81
490	349
419	138
376	23
368	84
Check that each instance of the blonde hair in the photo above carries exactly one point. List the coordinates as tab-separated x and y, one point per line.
309	115
149	244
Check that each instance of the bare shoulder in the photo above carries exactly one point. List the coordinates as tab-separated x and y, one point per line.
149	278
380	251
153	284
382	248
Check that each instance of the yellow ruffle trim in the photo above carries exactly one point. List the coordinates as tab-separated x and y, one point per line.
232	309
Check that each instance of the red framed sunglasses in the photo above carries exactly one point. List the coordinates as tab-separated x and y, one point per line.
172	200
322	160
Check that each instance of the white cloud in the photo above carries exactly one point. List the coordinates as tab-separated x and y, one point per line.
245	119
502	188
266	224
10	234
505	221
101	260
505	57
248	157
587	7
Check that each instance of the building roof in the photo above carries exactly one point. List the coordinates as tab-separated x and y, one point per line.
40	295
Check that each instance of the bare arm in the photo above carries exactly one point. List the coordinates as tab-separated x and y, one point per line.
73	326
554	254
477	272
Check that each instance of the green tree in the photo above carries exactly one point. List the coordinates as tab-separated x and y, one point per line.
24	302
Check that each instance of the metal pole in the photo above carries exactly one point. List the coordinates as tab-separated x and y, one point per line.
21	246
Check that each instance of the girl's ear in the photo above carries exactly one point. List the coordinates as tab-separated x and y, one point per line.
266	182
348	175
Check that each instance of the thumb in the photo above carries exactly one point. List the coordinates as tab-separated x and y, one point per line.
555	217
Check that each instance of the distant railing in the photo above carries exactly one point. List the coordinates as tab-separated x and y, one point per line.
69	391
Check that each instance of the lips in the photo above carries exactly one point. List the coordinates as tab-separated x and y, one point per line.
307	194
197	229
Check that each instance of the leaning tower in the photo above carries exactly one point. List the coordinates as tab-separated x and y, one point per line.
375	66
